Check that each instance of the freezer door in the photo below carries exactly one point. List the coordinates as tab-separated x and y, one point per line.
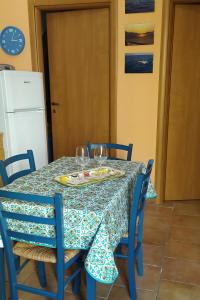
27	130
23	90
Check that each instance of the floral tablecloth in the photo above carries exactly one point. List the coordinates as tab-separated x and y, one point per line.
95	216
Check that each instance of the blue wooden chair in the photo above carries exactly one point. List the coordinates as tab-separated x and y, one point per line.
133	239
62	258
6	179
109	146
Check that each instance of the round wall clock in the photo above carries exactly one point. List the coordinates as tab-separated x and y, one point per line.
12	40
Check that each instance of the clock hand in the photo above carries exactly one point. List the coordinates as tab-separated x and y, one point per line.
12	37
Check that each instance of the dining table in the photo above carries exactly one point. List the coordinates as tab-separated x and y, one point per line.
96	215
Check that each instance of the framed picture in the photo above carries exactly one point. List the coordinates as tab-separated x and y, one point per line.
139	63
139	34
139	6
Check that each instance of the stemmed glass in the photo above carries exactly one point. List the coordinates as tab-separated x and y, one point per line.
101	154
82	156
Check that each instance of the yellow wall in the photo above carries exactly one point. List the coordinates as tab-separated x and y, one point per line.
15	12
137	99
137	94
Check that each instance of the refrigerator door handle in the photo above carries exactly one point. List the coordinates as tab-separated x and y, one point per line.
27	109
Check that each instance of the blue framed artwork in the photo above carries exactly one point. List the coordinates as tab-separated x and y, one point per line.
138	63
139	34
139	6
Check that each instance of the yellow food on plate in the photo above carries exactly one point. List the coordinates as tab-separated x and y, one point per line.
101	172
63	179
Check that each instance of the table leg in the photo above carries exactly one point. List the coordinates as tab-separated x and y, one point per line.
2	276
91	287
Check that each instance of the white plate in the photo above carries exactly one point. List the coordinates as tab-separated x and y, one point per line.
94	175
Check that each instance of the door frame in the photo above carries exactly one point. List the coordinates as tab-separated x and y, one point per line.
164	93
35	9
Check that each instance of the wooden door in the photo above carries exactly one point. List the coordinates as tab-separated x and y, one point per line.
183	150
78	46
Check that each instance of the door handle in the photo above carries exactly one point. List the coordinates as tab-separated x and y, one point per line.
55	103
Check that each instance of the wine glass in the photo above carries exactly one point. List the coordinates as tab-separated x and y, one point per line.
101	154
82	156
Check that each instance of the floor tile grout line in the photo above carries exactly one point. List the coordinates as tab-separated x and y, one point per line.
109	291
147	290
161	271
185	283
170	225
27	277
183	241
183	259
186	215
151	265
163	258
170	229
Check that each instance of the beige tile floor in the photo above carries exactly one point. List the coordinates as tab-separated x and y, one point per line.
171	258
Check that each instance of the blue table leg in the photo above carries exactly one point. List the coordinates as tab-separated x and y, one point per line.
2	276
91	287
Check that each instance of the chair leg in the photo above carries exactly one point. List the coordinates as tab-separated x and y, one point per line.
91	287
2	276
60	295
12	285
13	295
131	277
17	259
77	281
17	262
60	280
12	278
139	253
119	249
140	262
41	274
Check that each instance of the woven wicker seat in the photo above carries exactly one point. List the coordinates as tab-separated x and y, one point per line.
40	253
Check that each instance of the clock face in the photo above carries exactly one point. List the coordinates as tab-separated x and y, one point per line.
12	40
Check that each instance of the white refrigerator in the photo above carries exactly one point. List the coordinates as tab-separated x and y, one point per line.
22	116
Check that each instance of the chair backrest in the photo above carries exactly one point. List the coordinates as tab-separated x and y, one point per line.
138	203
6	179
56	220
127	148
